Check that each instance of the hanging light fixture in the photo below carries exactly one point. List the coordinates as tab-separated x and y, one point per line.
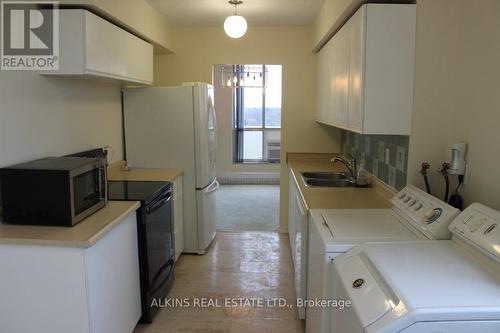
235	76
235	26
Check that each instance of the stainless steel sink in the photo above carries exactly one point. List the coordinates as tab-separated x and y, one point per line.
327	179
325	175
311	182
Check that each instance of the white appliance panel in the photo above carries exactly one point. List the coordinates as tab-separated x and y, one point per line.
357	224
346	320
436	284
443	267
205	200
479	226
318	279
168	127
300	250
159	130
205	134
426	213
455	327
212	133
363	289
342	229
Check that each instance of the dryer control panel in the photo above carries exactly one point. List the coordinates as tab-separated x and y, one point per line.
427	213
479	226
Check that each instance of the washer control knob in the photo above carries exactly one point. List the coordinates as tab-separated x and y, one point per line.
402	196
408	198
432	215
413	202
419	206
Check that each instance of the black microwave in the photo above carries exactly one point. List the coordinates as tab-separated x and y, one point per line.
57	191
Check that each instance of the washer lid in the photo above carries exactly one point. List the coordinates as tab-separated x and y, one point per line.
369	225
362	288
437	274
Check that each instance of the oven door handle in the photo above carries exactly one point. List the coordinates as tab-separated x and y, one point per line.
160	204
170	264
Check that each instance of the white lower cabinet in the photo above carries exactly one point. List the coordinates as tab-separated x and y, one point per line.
297	231
178	218
68	289
292	193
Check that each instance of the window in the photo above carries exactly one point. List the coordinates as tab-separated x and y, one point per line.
257	114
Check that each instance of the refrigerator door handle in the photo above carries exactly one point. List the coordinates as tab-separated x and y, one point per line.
213	187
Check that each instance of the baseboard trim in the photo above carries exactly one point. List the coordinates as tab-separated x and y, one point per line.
249	178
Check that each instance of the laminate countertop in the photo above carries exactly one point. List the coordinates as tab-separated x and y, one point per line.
83	235
118	172
377	196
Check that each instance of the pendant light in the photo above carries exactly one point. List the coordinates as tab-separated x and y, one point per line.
235	26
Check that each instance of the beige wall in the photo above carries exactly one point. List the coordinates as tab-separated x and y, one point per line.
51	116
197	49
456	91
435	89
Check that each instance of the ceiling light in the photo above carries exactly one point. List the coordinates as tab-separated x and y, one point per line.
235	26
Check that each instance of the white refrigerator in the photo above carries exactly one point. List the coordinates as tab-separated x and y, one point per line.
175	127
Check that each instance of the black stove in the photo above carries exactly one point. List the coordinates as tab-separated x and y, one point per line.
156	241
136	190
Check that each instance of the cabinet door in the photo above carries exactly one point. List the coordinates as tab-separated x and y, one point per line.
323	72
111	51
356	27
292	204
341	60
112	275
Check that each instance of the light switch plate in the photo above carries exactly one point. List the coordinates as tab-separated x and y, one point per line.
392	176
400	158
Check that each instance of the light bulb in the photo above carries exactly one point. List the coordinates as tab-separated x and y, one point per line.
235	80
235	26
229	82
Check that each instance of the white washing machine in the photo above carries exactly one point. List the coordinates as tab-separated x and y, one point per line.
414	215
448	286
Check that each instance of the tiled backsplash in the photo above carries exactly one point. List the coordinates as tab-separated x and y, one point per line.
385	156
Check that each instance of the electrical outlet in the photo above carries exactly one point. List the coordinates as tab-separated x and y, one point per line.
387	153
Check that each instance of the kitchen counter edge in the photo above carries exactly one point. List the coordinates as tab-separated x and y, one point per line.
117	172
82	235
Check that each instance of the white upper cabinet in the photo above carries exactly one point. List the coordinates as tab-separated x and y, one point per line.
91	46
366	71
339	80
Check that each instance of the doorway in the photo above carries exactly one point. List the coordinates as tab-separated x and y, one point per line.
248	103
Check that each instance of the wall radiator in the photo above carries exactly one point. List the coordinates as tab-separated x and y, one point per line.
248	178
273	152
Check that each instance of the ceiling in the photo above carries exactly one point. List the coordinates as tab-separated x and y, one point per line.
204	13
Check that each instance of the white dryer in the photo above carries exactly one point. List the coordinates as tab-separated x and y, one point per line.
414	215
448	286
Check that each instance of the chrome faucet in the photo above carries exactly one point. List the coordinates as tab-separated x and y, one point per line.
350	165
